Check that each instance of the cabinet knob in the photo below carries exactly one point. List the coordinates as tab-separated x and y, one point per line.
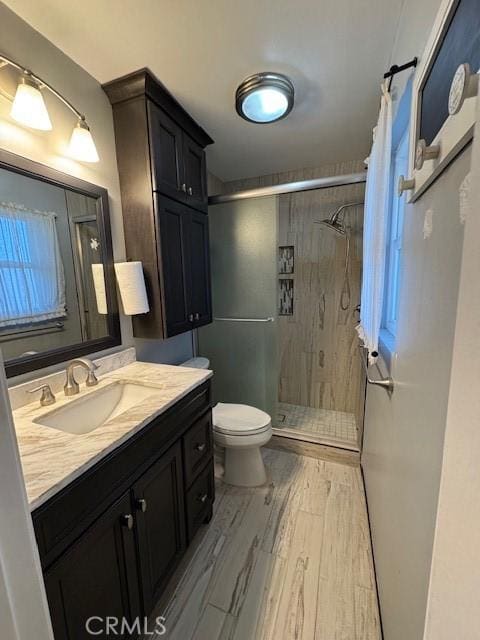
203	497
184	187
424	152
200	447
190	191
197	316
190	317
127	521
141	505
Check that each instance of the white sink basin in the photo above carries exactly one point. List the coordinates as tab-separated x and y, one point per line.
89	412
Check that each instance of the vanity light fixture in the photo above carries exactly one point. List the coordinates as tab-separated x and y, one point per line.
265	97
28	106
82	146
29	109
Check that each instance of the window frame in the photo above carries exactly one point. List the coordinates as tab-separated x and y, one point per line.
395	236
401	137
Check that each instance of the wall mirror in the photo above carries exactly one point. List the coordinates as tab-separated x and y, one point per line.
57	286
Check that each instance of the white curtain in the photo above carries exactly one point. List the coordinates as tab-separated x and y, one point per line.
32	282
375	228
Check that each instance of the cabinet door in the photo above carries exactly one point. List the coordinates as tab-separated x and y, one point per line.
96	578
199	269
159	502
166	152
174	267
195	173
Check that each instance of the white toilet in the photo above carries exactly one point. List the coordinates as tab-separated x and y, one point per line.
241	430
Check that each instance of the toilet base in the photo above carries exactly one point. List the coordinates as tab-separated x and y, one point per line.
244	467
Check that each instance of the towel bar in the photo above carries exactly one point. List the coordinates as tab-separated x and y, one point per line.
246	319
385	383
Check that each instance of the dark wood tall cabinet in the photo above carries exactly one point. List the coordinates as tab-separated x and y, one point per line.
161	160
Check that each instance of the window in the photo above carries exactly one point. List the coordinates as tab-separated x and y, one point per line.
399	166
32	287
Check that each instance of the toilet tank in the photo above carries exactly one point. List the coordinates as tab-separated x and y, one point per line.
197	363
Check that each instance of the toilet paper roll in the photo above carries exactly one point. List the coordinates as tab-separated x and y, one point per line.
99	285
131	284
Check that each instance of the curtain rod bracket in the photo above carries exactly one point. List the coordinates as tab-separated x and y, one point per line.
395	68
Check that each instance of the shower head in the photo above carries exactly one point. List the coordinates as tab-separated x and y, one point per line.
333	221
335	225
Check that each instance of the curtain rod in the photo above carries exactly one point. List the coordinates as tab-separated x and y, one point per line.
395	68
291	187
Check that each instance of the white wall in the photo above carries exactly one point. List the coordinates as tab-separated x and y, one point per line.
404	435
30	49
454	610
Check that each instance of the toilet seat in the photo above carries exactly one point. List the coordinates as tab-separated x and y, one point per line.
239	420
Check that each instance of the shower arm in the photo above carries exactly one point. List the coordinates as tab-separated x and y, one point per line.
334	218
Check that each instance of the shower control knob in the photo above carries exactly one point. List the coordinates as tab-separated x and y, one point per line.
464	85
184	187
424	152
190	191
405	184
197	316
190	317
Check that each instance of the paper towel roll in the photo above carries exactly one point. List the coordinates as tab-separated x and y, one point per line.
131	285
99	284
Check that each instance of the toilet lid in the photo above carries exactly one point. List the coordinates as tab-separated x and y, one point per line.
239	419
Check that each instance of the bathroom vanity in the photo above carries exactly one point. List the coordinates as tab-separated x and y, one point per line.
115	508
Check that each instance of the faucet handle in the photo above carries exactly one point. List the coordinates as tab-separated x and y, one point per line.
47	398
92	379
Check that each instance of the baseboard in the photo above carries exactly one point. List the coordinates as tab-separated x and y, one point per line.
314	450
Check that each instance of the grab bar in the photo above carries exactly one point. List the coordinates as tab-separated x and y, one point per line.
385	383
270	319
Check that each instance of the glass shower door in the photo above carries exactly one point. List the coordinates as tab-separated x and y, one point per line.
241	343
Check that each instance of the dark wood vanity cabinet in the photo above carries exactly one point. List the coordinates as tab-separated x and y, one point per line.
96	577
114	552
160	521
163	179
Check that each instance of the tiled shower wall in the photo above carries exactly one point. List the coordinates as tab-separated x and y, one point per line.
319	359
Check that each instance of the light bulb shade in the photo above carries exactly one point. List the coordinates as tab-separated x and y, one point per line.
29	106
82	146
265	97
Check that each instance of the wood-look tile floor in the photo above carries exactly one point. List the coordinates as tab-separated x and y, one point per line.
290	560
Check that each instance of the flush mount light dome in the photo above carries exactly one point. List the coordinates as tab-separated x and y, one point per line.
264	97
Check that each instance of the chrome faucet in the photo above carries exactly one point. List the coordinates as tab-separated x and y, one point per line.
72	387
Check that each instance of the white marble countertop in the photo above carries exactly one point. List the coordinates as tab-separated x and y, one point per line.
51	459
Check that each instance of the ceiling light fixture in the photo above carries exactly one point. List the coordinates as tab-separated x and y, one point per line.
29	109
265	97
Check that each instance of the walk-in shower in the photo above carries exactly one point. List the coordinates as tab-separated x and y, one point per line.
284	291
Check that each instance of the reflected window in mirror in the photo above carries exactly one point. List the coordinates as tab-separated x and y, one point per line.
57	292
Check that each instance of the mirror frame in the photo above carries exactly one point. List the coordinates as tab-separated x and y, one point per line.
31	169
